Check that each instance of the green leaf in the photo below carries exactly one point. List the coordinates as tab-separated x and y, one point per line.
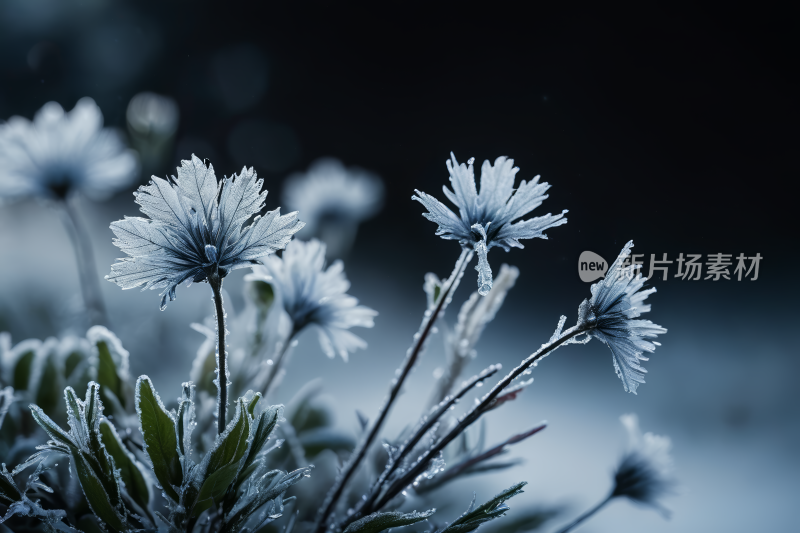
22	370
49	382
51	428
214	488
251	407
264	425
96	494
224	460
260	293
377	522
107	374
130	472
160	441
232	445
71	362
475	517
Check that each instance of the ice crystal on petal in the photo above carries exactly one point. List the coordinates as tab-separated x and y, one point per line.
612	317
58	153
646	472
314	295
191	235
490	217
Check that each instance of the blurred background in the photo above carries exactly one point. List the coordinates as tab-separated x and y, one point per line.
676	128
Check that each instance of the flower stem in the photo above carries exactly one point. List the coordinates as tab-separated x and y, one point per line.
216	287
87	270
278	363
411	358
483	406
588	514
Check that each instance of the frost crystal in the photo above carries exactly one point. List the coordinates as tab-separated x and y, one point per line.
645	473
58	153
610	316
313	295
191	234
487	219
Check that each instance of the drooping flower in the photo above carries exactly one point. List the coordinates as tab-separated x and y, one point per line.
646	472
313	295
334	200
59	153
611	316
195	229
487	218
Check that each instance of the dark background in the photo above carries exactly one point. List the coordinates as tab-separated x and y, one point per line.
674	127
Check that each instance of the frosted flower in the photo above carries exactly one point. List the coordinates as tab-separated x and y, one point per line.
487	218
59	153
334	200
192	235
611	315
645	473
329	190
313	295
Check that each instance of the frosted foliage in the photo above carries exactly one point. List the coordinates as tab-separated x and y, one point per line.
490	217
313	295
328	190
478	311
59	152
611	316
120	356
646	471
191	235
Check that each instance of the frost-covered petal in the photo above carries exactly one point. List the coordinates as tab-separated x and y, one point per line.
311	294
611	317
496	209
59	152
190	236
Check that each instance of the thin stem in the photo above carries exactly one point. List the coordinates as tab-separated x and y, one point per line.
87	270
278	363
411	358
575	523
426	424
483	406
216	285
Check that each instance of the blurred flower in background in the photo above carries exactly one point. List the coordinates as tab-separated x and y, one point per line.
59	153
152	122
334	200
645	473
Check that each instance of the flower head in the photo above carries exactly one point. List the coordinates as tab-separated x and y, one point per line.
487	218
313	295
59	153
646	473
611	315
329	190
195	229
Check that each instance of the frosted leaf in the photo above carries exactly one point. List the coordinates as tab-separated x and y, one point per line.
496	208
557	333
190	235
